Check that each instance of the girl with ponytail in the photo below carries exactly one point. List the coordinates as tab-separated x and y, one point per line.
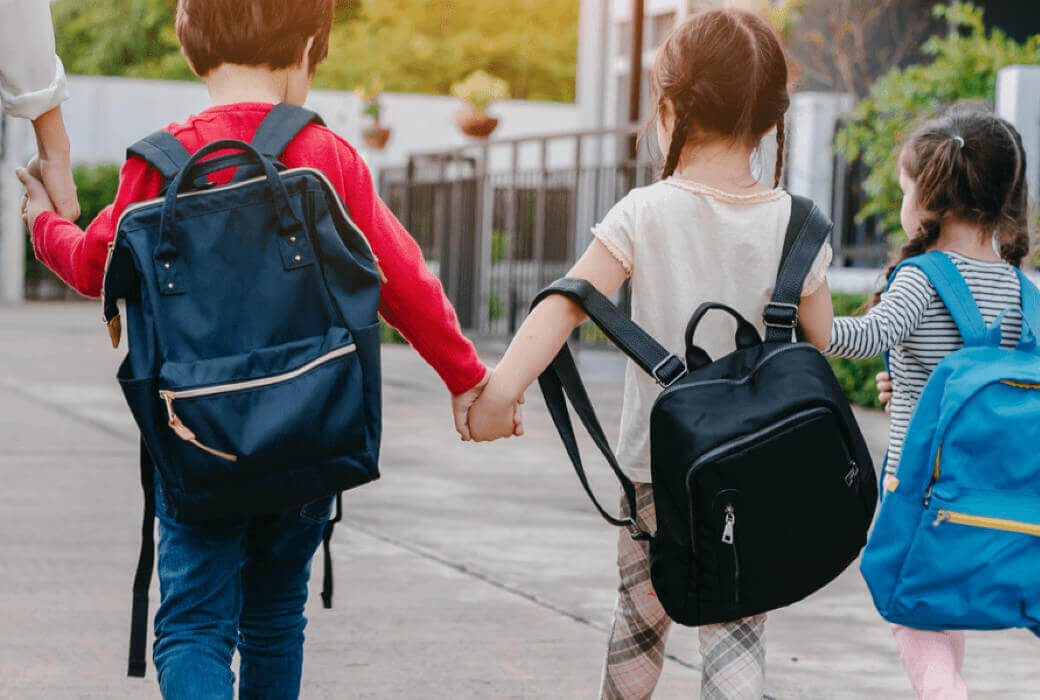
708	230
964	193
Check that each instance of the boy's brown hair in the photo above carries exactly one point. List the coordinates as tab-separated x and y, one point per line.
253	32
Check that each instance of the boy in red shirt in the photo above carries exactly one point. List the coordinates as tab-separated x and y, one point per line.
244	584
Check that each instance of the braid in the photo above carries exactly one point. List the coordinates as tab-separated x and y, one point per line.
780	137
926	237
680	135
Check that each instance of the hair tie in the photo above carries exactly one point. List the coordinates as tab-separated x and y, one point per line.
959	141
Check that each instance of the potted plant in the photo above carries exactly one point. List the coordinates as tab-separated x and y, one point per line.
478	91
374	134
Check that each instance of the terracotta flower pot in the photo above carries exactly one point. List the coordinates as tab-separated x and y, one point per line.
375	137
474	125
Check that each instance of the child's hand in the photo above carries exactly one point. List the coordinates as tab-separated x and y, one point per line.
460	405
35	201
496	415
884	387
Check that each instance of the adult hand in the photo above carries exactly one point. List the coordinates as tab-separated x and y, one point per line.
53	165
884	387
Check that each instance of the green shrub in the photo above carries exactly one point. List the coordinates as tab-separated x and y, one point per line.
964	67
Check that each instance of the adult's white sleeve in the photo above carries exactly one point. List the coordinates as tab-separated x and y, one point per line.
32	78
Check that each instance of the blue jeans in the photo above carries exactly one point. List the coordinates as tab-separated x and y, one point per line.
234	585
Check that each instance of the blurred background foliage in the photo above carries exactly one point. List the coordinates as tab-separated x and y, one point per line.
961	65
412	45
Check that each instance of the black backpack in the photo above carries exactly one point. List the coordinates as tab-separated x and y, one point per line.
763	484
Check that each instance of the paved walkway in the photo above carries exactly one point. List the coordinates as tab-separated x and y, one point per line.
468	571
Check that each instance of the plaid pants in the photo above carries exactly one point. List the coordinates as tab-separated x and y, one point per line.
733	654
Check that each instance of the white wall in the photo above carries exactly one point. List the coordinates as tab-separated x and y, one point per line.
105	115
1018	101
811	121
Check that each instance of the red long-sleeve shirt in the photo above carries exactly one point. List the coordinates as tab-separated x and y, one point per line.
412	298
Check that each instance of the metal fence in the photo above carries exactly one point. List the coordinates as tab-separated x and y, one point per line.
499	220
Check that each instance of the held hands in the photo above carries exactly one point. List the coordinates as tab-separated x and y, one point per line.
461	408
486	412
36	200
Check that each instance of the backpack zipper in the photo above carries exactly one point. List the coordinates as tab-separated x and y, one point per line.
728	538
949	516
184	433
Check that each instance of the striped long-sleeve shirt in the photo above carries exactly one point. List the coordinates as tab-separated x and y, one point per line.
912	324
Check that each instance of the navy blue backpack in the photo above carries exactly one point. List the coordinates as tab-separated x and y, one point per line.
253	363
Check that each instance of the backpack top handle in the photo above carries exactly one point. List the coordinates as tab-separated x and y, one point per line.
166	252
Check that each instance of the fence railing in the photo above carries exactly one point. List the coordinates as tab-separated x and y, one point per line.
499	220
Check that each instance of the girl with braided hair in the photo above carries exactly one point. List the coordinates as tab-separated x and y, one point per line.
964	193
708	230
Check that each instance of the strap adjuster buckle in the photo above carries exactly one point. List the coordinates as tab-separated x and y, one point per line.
666	379
780	315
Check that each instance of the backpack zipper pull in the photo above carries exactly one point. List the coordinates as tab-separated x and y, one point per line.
941	517
727	530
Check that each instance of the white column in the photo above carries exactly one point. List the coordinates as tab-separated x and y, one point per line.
14	151
811	121
1018	101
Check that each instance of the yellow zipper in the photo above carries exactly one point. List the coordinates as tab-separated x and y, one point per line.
949	516
1021	385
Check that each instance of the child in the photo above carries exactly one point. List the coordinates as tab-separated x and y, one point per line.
244	584
964	193
707	231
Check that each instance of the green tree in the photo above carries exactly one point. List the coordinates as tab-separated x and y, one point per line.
964	66
412	45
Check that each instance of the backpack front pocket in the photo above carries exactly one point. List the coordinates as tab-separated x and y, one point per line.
972	564
296	403
787	498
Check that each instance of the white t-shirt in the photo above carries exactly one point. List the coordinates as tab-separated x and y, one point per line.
684	243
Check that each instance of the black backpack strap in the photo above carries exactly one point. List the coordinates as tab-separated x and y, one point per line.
807	231
143	577
646	352
326	541
163	151
561	383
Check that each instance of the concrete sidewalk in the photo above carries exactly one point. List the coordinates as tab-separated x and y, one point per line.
468	571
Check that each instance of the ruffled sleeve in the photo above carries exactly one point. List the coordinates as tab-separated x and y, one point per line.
818	272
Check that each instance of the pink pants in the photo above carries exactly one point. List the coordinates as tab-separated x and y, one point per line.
933	660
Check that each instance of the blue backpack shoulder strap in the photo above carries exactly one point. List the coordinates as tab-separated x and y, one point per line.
1030	300
281	125
953	291
163	152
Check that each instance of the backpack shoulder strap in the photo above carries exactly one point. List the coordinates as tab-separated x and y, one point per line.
163	151
646	352
954	292
143	577
561	382
1030	300
281	125
807	231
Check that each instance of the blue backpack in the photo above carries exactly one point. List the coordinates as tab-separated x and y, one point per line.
957	541
253	363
